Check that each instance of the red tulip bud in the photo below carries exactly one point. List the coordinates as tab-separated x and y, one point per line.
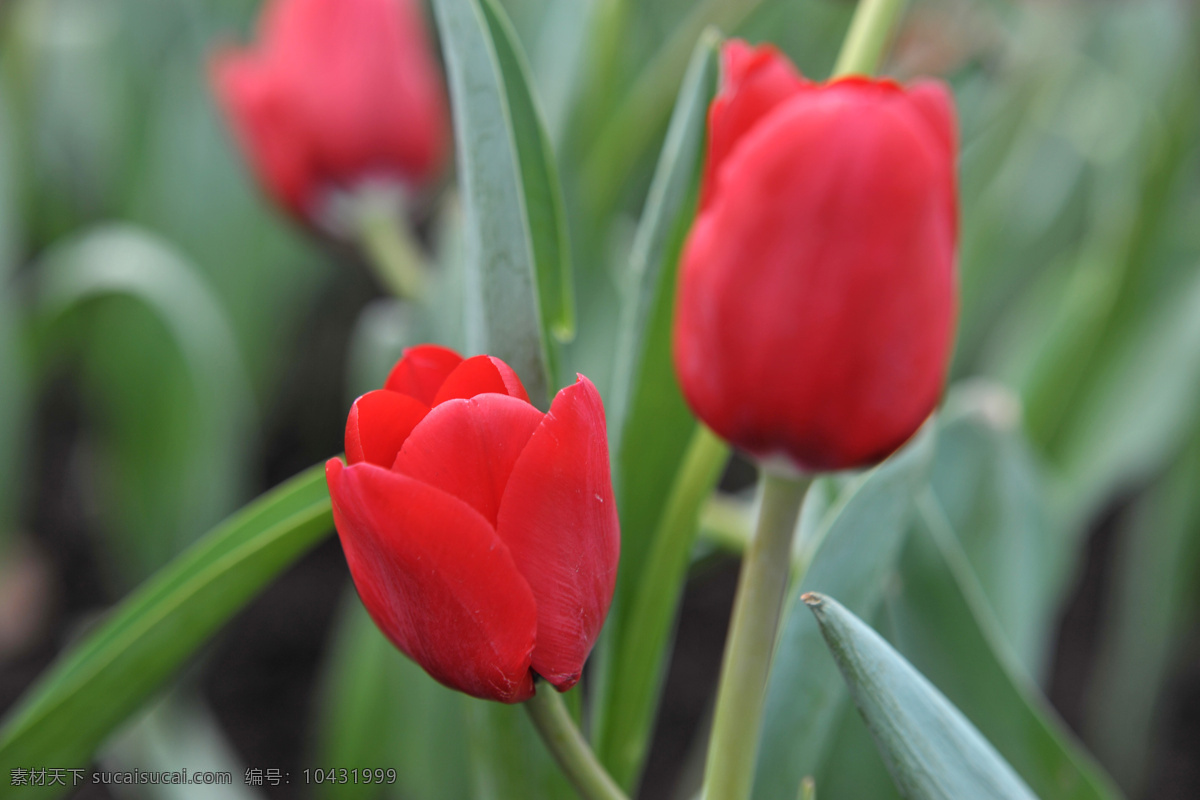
336	93
481	533
817	291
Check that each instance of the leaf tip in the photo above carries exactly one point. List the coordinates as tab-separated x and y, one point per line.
813	600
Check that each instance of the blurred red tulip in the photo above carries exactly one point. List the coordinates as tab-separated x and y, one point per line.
817	292
481	533
337	92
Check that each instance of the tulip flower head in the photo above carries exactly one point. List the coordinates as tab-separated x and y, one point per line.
817	290
337	93
481	534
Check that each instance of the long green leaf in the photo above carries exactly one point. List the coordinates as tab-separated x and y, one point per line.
943	624
378	707
855	549
931	750
650	428
514	222
650	424
638	119
640	661
179	450
995	497
103	679
539	177
1144	395
14	401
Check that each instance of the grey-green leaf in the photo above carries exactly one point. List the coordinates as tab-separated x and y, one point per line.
931	750
539	177
941	620
103	679
515	228
994	493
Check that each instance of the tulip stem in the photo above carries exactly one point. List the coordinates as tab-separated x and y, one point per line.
729	773
390	250
569	748
869	32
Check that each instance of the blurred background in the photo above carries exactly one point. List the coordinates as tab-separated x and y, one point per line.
171	345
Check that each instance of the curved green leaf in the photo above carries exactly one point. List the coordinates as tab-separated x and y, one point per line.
943	624
649	429
103	679
515	226
931	750
180	449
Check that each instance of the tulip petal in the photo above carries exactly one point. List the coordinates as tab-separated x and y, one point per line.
478	375
932	101
559	521
378	424
437	580
422	371
754	81
468	448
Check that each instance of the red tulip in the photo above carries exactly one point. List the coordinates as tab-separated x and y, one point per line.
481	533
337	92
817	291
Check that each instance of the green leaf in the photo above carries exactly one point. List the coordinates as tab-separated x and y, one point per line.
103	679
178	452
931	750
539	178
639	664
14	400
649	422
1143	396
854	550
943	623
994	494
515	226
14	408
378	707
854	768
649	430
637	120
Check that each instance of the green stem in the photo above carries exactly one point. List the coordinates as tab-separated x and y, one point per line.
729	774
868	35
390	250
569	748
